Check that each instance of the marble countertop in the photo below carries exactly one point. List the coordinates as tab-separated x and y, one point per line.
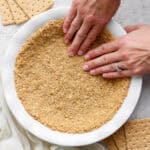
130	12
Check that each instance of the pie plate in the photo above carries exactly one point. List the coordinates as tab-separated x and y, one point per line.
35	127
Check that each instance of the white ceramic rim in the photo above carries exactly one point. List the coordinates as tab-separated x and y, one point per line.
35	127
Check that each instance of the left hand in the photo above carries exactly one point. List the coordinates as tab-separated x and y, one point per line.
131	53
85	21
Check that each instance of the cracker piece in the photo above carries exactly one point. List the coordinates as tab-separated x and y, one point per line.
18	15
120	139
34	7
7	17
138	134
110	143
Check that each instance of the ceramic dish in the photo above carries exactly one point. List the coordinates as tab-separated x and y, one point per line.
35	127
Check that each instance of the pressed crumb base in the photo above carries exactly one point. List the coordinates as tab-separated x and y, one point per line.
56	91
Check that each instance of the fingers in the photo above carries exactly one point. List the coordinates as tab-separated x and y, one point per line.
101	61
132	28
107	68
104	69
69	18
89	39
79	38
105	48
75	25
111	75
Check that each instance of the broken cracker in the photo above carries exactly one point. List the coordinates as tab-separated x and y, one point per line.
120	139
110	143
138	134
7	17
35	7
18	15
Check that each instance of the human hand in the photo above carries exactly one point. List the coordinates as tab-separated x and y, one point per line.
131	53
85	21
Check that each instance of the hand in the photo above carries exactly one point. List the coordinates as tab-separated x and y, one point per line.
130	53
85	21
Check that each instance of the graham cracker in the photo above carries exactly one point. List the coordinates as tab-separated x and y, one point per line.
138	134
110	143
34	7
7	17
18	15
120	139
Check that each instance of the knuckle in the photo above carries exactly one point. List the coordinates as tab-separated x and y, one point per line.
76	2
73	47
69	35
80	35
137	71
74	25
104	60
123	42
82	11
92	64
127	64
91	38
96	70
89	55
124	55
84	48
93	53
90	19
66	23
112	67
130	62
88	38
104	47
87	43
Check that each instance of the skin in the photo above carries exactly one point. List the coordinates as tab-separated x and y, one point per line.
85	21
130	52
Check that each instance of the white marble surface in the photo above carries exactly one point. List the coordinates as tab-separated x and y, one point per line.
14	137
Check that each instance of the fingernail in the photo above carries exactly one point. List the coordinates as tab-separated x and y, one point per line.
70	53
66	41
80	52
65	30
92	72
86	57
104	75
85	67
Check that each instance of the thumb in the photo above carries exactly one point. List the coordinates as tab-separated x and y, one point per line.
133	27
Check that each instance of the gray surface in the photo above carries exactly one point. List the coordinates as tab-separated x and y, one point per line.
133	12
143	108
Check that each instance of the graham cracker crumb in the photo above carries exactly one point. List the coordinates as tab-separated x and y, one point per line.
56	91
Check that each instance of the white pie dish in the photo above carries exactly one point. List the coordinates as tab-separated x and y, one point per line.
35	127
